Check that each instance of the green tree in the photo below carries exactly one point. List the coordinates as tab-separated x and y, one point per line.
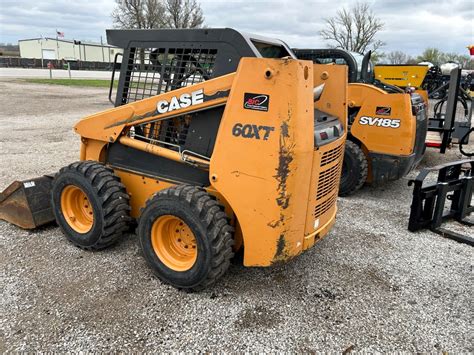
432	55
378	57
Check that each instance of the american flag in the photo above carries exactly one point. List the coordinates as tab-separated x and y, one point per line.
59	34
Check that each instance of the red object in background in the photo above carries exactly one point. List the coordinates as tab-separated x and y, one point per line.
471	49
433	144
50	65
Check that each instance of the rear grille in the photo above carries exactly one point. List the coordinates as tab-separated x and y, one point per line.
332	155
328	180
325	206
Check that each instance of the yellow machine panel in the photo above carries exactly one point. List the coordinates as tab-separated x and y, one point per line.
401	75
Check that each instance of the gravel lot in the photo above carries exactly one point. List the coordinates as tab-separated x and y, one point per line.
370	285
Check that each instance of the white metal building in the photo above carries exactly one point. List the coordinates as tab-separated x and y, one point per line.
52	48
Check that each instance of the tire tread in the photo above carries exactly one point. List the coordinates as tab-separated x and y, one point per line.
113	197
363	168
211	215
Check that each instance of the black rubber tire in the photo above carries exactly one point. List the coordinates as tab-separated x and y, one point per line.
354	169
108	198
208	222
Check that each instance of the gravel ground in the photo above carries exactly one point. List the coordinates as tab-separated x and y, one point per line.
370	285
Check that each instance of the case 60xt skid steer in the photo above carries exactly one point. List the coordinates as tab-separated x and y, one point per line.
213	146
387	126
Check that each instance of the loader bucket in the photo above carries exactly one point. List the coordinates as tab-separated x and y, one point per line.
27	204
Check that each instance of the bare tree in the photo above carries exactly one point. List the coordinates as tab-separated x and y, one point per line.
449	57
184	14
465	61
353	29
144	14
397	57
148	14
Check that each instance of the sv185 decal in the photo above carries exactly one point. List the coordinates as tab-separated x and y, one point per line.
252	131
379	122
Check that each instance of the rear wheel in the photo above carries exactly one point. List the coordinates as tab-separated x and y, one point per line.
354	169
186	237
90	205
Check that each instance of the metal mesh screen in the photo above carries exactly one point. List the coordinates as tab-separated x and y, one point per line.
152	71
168	133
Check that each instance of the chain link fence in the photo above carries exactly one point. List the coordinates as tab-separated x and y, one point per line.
16	62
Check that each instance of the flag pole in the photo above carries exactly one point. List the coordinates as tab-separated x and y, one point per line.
57	44
41	46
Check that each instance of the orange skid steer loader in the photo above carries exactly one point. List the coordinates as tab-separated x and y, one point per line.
386	126
218	148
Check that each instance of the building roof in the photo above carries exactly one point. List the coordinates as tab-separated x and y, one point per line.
87	43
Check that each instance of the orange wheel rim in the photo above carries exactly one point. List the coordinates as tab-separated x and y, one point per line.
174	243
77	209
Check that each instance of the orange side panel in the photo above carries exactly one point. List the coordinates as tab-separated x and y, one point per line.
392	132
266	180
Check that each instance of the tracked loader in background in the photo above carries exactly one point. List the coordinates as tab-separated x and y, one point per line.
215	145
387	126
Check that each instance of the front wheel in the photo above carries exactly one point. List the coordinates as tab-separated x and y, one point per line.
186	237
354	169
90	205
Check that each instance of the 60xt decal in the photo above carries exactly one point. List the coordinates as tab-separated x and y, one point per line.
379	122
252	131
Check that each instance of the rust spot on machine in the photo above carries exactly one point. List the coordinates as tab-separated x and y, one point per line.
285	157
27	204
281	254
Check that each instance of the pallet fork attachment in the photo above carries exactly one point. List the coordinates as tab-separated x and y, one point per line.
27	204
445	124
454	183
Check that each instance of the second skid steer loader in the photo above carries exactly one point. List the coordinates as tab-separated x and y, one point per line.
215	145
387	126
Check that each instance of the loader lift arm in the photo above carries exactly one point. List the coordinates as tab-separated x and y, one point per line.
114	125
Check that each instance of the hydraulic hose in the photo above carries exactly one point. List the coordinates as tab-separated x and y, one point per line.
461	144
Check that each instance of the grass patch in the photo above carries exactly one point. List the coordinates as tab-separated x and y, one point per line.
95	83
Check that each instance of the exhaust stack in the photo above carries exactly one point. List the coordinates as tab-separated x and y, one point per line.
317	92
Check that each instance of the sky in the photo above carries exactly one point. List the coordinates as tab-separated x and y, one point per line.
410	25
